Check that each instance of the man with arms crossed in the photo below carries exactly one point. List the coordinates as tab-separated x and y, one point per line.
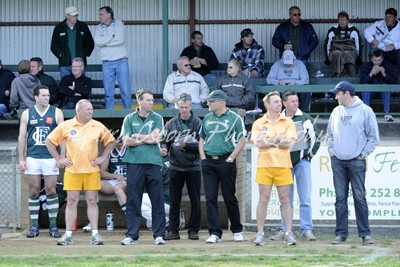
301	154
274	134
142	131
82	172
36	124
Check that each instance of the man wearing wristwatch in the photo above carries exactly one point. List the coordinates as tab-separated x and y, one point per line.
352	135
220	130
301	154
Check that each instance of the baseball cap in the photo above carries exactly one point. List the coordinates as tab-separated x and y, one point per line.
288	57
216	95
72	11
246	32
343	86
391	11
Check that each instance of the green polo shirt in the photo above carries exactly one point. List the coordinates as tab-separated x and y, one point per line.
146	153
220	133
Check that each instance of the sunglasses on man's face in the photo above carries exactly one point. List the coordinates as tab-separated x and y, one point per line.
297	15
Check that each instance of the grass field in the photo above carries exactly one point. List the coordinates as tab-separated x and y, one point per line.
17	250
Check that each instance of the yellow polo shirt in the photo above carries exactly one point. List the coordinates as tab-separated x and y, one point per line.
81	143
273	156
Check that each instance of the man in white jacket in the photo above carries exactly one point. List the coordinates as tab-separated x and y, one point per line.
184	80
385	34
110	38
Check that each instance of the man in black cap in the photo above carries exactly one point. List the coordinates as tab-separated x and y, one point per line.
250	54
352	135
385	34
220	130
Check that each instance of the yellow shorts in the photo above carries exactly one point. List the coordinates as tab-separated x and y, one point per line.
277	176
82	181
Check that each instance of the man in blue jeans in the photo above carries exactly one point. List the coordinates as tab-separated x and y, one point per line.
301	154
71	39
352	135
110	37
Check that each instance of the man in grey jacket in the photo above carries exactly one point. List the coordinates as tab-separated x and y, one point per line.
22	90
352	135
182	139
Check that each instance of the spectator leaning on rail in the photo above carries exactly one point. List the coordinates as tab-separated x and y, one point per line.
202	57
250	54
385	34
6	78
71	38
38	71
184	80
378	71
297	35
237	87
343	47
110	38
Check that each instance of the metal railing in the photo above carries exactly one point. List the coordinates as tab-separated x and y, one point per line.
10	189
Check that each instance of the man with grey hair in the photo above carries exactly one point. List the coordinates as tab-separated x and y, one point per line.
182	139
75	86
184	80
71	38
82	172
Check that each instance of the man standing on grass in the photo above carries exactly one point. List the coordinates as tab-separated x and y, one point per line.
222	137
81	135
352	135
142	131
36	124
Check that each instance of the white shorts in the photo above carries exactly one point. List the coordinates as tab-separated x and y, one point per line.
44	167
113	182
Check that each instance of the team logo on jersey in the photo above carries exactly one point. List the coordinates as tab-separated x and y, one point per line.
264	128
121	170
113	160
33	119
49	120
72	132
40	134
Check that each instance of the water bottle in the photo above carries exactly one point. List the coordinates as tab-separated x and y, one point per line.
110	221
